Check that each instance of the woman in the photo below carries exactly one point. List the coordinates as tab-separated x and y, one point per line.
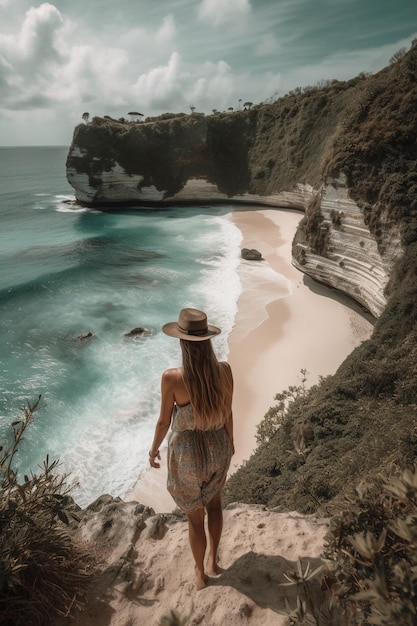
197	399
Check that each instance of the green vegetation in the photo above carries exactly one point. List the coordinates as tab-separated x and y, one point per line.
43	570
369	572
372	546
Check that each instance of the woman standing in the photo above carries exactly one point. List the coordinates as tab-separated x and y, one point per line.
196	399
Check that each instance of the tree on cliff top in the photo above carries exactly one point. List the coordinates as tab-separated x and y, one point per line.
135	116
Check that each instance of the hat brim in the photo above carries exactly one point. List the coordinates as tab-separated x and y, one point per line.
172	330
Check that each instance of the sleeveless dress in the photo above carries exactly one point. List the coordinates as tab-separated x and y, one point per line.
198	460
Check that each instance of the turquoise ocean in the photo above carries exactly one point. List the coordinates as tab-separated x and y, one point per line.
66	270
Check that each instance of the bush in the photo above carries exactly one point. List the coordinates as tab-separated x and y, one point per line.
43	572
373	548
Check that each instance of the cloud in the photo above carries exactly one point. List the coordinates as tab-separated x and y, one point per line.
267	45
214	87
92	74
219	12
29	57
167	31
47	63
176	86
160	85
36	42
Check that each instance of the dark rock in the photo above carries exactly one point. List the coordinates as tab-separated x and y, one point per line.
137	332
84	336
251	254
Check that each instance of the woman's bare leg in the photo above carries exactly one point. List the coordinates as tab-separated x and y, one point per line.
215	527
198	543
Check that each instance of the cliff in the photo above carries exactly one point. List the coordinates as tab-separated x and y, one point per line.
341	153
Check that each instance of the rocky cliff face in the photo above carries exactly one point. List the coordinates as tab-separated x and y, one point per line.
344	154
191	159
350	260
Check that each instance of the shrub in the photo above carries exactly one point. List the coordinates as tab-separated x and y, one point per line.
43	572
373	548
277	414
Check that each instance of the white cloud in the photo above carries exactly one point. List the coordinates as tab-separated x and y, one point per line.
29	57
167	31
219	12
214	87
161	84
267	45
36	41
92	74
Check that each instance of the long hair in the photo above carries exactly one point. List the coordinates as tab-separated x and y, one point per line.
207	383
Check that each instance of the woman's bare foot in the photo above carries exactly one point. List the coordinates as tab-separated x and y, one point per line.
200	579
212	567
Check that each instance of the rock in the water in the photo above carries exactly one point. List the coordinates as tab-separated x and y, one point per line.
84	336
251	254
138	332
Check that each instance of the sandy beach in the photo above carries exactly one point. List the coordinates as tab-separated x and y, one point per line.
285	323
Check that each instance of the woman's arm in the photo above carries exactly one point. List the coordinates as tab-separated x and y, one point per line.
164	420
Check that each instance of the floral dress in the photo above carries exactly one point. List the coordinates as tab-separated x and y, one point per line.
198	460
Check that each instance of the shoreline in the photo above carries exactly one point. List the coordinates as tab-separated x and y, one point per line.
312	327
285	323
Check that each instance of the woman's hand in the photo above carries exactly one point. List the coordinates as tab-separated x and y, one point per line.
152	461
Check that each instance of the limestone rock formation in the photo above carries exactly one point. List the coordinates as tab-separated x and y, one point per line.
351	260
191	159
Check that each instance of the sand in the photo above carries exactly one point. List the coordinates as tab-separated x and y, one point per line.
285	323
145	575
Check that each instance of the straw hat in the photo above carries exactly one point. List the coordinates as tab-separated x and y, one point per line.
191	326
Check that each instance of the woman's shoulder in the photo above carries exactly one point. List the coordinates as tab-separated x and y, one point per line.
172	374
171	380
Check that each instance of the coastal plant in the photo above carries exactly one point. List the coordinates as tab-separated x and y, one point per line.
173	619
372	546
43	571
277	414
307	611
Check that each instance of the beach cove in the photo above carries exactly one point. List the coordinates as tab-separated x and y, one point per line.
280	329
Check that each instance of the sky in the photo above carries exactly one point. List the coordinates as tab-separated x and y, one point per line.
63	58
